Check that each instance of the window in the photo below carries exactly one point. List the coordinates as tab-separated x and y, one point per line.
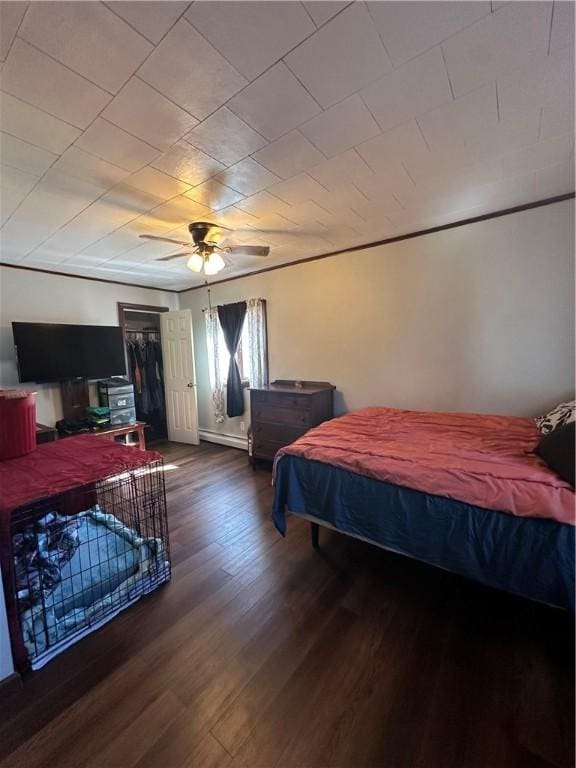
252	354
241	356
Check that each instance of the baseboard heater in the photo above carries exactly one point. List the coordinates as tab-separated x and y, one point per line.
223	439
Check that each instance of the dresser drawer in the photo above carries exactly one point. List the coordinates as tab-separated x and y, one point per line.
282	400
281	415
278	433
266	449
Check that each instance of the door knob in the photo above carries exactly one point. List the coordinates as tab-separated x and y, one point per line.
190	384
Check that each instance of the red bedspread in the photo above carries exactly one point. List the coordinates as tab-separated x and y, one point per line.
487	461
62	465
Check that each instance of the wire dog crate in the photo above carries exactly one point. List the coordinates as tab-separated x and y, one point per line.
82	556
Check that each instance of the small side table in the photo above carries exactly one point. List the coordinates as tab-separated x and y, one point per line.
110	433
44	434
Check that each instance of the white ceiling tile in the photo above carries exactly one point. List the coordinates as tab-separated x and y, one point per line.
341	127
14	186
394	182
39	80
11	15
344	168
252	35
236	221
128	237
310	214
557	118
179	212
145	113
157	183
188	70
497	44
410	28
188	164
409	91
119	241
298	189
82	165
35	126
130	200
112	210
541	155
247	177
274	103
562	34
26	157
541	82
341	57
386	152
555	180
53	202
538	81
225	137
127	242
88	38
518	130
214	195
115	145
151	19
323	10
264	204
289	155
450	126
376	218
343	198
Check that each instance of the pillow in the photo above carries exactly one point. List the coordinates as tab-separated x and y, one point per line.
557	417
557	450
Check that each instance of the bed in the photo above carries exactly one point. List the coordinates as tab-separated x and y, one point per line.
463	492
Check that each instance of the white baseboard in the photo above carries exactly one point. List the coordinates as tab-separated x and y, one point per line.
218	437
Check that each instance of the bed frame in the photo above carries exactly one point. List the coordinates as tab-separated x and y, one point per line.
530	557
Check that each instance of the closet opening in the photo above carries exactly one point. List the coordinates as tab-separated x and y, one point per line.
145	367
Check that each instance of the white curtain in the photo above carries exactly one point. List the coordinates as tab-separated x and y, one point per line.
216	353
255	355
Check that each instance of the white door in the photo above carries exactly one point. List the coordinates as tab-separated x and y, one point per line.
179	376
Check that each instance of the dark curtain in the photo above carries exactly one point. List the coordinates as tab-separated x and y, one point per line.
231	318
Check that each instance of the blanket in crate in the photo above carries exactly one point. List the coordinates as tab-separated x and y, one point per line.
73	571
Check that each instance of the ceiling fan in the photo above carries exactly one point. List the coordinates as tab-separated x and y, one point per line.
205	253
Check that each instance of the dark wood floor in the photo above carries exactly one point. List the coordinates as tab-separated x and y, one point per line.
267	654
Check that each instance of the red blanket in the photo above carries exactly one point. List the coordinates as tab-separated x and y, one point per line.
487	461
62	465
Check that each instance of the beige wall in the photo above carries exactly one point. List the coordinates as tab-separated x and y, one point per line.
38	297
478	318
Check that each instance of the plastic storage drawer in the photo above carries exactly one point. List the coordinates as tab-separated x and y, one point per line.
121	416
120	400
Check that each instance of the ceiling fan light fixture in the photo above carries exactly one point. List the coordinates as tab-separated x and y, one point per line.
213	264
195	262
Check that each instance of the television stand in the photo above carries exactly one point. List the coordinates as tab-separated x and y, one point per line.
75	398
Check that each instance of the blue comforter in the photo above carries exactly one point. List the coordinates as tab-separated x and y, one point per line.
527	556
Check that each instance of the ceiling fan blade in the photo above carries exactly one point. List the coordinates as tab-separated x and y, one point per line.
247	250
168	240
175	256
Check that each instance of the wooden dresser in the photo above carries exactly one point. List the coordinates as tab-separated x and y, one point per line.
282	412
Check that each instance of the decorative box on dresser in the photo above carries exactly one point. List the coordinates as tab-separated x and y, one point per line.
285	410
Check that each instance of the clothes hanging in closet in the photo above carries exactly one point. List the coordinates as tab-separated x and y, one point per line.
146	369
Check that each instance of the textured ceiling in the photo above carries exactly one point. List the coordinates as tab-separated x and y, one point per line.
308	126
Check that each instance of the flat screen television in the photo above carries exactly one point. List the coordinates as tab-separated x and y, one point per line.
55	352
